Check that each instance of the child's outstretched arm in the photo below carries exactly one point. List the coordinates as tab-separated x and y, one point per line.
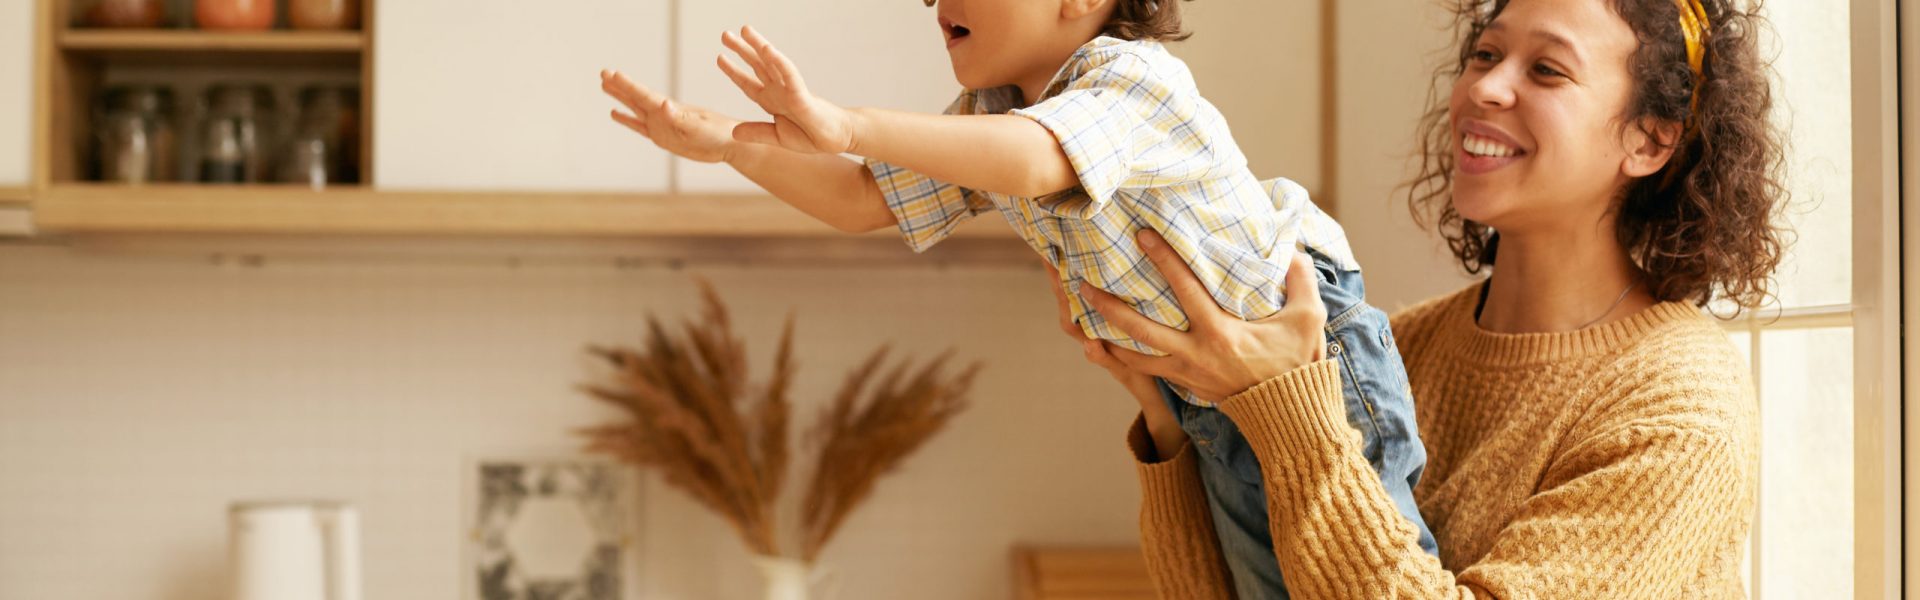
835	190
997	153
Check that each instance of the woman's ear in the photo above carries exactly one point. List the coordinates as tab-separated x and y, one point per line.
1077	9
1649	146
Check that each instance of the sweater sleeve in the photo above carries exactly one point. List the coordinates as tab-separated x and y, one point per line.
1627	514
1176	527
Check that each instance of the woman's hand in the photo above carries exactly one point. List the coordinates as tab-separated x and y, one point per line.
1165	430
1096	351
689	132
802	122
1219	355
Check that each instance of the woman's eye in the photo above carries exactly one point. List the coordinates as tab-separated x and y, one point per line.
1546	71
1484	56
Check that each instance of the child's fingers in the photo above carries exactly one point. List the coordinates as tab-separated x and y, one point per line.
618	94
637	125
784	69
637	98
762	47
757	133
742	79
748	55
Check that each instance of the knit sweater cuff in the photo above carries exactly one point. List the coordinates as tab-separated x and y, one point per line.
1176	528
1298	415
1169	478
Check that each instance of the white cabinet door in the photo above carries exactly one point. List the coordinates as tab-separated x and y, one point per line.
878	53
505	94
16	91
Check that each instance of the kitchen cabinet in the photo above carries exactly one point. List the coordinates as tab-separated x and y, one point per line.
887	54
505	94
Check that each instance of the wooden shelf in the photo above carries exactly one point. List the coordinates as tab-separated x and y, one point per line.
187	40
213	48
15	195
100	208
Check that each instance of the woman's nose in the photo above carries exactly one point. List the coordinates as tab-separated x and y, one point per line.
1494	89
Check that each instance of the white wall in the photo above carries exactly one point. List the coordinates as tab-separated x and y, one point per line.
1387	51
1259	62
16	91
140	393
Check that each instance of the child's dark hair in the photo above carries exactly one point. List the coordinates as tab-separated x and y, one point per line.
1135	20
1157	20
1707	224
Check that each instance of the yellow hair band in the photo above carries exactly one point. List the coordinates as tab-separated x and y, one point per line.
1693	25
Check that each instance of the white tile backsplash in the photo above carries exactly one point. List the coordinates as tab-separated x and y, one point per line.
139	395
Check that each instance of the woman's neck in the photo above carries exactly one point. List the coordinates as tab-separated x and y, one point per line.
1561	281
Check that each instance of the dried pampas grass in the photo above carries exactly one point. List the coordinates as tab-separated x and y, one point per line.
692	416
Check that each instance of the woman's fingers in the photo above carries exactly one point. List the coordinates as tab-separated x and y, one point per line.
1135	325
741	78
1303	292
1064	312
1164	367
1187	289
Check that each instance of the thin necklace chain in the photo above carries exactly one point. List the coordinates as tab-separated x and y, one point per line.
1616	304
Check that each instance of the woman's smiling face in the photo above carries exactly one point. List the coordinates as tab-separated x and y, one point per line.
1537	137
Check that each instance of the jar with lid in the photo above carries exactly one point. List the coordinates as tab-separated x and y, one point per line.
136	139
324	141
236	134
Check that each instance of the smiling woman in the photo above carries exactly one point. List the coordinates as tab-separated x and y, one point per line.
1704	224
1590	430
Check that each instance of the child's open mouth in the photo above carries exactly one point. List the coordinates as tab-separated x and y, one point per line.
955	31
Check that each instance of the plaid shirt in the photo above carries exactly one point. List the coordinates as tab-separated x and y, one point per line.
1149	153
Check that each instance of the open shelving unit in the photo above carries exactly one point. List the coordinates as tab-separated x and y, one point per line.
76	63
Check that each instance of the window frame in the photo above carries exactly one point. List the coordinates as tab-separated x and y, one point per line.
1908	175
1886	87
1879	484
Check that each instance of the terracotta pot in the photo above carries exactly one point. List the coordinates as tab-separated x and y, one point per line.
324	14
125	14
248	15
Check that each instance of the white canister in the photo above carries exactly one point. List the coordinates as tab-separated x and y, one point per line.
294	550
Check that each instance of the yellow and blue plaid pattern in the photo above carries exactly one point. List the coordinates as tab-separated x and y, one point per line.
1150	153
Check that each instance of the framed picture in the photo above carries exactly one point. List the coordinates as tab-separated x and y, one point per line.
548	527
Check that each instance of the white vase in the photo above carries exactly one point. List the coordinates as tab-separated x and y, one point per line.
792	579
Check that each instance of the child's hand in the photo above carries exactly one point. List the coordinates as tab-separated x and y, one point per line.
690	132
802	122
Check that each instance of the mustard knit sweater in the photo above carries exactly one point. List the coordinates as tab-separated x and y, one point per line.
1618	461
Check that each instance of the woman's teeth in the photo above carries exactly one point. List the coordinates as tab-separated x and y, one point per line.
1479	146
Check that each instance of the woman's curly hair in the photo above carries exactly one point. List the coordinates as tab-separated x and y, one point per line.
1705	226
